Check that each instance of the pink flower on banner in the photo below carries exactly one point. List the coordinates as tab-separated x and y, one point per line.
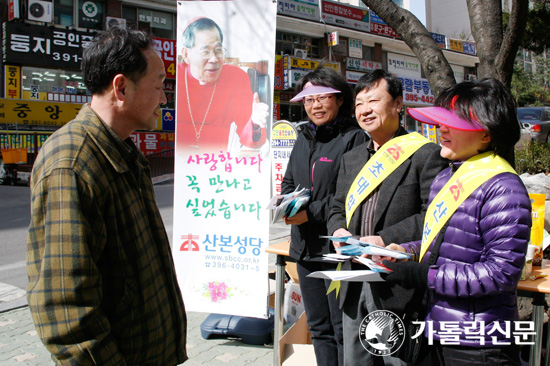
217	291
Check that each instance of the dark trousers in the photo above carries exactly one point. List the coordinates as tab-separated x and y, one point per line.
323	315
460	355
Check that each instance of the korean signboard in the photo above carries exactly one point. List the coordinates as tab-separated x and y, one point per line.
167	50
153	142
304	9
378	26
455	45
416	91
37	112
293	68
362	65
439	39
404	65
41	46
283	138
346	16
355	48
12	75
469	48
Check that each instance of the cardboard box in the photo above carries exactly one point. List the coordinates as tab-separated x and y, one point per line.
295	346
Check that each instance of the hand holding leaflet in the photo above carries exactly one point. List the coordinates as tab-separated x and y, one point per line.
288	204
371	249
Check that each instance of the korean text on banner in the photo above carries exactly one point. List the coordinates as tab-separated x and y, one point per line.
223	161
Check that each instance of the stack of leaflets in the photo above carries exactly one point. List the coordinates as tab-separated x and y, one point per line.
356	248
288	204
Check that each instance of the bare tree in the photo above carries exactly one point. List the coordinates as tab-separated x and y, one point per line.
496	49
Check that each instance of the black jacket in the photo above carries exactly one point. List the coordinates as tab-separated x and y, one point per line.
314	164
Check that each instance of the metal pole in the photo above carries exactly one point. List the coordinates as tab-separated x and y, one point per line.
279	298
538	313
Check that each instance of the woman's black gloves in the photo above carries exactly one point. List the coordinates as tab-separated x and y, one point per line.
407	274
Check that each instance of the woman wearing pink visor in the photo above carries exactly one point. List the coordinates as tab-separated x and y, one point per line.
314	162
481	210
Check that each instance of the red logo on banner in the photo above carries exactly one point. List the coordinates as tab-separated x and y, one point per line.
189	245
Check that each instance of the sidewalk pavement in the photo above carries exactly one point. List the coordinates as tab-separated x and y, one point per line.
20	345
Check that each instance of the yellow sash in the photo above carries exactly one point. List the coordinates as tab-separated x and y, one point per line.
384	162
471	174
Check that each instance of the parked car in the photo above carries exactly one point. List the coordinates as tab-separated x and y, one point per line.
537	120
525	135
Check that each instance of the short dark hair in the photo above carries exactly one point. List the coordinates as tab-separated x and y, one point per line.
327	76
116	51
369	80
491	104
201	24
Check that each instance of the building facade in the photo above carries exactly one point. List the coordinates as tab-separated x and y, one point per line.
43	44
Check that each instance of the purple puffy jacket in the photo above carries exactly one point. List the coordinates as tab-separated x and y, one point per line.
480	261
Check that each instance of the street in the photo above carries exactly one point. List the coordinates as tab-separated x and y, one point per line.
14	221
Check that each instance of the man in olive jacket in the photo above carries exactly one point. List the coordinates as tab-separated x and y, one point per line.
102	285
392	213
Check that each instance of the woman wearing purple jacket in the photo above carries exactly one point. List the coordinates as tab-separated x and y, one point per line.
472	286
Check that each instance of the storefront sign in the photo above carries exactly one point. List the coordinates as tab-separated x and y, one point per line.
294	75
36	45
90	14
153	142
168	119
355	48
298	67
416	91
404	65
300	63
376	19
13	9
283	138
362	65
455	45
156	18
469	48
37	112
383	30
304	9
430	132
167	50
353	77
346	16
13	80
278	82
333	39
439	39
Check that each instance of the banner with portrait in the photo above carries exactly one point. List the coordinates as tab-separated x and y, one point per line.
225	72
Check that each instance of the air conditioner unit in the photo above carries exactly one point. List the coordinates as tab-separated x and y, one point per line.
40	10
471	77
300	53
112	22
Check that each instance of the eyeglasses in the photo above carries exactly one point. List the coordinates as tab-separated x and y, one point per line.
323	99
205	54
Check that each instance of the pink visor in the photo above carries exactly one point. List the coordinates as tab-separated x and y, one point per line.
441	116
311	89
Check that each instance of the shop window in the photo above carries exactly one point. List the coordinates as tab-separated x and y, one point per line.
63	12
286	43
53	85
